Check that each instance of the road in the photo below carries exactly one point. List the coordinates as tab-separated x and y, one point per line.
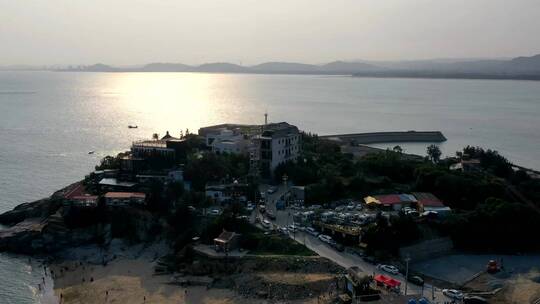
344	259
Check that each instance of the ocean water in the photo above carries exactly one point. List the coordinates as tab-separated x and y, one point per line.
49	121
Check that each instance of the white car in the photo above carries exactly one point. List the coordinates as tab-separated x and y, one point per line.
325	238
389	268
266	223
215	212
452	293
312	231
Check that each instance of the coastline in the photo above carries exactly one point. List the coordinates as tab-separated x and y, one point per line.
123	274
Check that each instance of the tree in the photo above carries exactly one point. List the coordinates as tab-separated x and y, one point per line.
434	153
397	149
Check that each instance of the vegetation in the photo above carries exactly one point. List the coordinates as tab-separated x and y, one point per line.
209	167
496	225
390	235
434	153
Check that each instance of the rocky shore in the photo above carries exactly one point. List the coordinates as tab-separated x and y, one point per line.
46	226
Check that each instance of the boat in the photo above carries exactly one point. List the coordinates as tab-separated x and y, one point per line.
132	127
91	152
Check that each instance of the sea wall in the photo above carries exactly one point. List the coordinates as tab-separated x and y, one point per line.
388	137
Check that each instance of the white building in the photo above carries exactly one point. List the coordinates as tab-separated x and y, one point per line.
278	143
228	141
268	145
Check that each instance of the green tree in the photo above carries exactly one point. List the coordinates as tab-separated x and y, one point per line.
434	153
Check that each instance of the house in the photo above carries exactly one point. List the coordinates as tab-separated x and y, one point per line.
113	184
466	165
277	144
297	193
116	199
168	148
84	201
227	241
429	202
222	193
393	201
229	141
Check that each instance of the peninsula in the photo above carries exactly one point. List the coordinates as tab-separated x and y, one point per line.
256	213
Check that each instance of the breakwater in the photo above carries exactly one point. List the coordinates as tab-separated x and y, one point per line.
388	137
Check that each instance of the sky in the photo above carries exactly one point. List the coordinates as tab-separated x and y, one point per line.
130	32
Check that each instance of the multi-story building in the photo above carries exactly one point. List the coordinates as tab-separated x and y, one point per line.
277	144
268	145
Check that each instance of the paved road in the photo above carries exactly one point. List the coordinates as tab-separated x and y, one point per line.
344	259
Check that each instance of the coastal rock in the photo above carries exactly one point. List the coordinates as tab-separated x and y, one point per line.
38	209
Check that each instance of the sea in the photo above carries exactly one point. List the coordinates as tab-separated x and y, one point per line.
50	121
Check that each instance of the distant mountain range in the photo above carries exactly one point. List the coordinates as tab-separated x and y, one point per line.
516	68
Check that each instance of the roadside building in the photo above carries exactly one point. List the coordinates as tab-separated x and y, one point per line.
117	199
429	202
225	193
391	201
298	193
227	241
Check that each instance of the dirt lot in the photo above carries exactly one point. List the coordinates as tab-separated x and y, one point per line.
522	288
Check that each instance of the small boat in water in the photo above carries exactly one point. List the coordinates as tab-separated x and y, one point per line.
132	127
91	152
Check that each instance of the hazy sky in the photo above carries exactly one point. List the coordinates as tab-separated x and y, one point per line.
124	32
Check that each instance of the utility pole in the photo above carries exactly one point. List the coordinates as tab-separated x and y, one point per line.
407	259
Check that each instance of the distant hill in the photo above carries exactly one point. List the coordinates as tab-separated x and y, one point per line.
285	67
524	64
167	67
221	67
349	67
516	68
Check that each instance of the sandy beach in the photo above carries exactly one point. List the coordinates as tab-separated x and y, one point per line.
128	277
80	276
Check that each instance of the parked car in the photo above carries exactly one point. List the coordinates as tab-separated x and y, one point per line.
389	268
266	223
284	230
452	293
271	190
474	300
325	238
351	206
416	280
262	208
312	231
215	212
